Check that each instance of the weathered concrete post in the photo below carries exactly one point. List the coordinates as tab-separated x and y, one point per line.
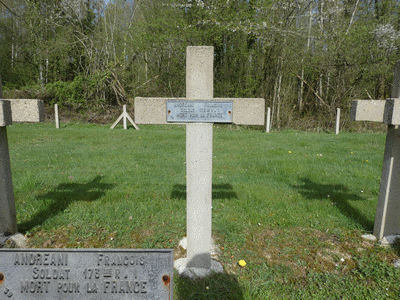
124	118
268	123
56	116
337	121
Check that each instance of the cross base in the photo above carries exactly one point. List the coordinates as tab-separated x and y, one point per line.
198	268
389	240
17	240
183	270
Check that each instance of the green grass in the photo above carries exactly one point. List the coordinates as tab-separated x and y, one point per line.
292	204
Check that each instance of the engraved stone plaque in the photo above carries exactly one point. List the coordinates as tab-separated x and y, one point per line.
76	274
199	111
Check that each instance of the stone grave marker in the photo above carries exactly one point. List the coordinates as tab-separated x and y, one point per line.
387	220
15	110
198	111
76	274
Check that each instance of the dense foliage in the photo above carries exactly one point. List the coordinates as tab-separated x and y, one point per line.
305	57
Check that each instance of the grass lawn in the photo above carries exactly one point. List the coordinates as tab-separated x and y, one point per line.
293	205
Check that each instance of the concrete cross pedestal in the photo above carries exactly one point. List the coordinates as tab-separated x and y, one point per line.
387	220
12	111
199	141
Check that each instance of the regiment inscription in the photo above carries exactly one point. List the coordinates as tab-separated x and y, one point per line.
86	274
199	111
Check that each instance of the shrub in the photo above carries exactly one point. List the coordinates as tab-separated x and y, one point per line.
72	93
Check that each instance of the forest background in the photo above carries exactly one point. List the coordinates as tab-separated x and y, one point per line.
305	57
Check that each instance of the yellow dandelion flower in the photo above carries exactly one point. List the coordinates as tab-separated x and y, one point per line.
242	263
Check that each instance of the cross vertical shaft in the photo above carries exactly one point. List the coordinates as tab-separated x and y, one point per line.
387	221
199	137
8	215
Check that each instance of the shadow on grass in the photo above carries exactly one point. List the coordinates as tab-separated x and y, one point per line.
339	195
62	196
219	191
216	286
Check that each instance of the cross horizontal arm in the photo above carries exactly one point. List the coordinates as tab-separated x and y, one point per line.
384	111
26	110
367	110
246	111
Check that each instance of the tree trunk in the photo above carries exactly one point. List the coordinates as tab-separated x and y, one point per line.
278	92
301	93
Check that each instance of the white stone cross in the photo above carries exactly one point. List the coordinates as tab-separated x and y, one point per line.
199	140
387	217
24	110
